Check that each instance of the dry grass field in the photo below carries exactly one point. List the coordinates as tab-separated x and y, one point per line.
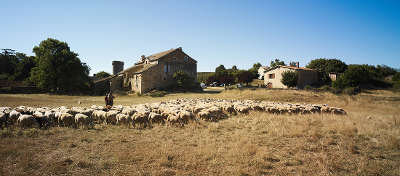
365	142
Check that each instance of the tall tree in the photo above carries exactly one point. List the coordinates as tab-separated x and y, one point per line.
244	76
101	75
277	62
8	62
58	69
234	68
220	68
254	70
24	67
327	65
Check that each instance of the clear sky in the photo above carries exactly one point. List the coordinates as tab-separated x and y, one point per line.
213	32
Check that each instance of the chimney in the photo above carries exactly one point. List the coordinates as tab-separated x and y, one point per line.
143	57
118	66
180	48
297	64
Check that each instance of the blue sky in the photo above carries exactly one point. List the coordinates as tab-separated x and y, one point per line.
216	32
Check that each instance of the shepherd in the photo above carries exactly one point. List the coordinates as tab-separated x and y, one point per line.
109	100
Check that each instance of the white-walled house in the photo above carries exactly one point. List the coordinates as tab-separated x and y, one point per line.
261	72
273	76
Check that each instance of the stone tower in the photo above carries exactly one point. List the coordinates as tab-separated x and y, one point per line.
117	66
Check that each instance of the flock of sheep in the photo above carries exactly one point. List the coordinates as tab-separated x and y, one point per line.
174	112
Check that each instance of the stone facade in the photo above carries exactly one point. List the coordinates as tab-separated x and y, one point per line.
154	71
273	77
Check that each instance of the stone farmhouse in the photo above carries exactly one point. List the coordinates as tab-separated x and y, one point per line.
149	73
273	76
261	72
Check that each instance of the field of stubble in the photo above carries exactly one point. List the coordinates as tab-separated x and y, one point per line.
365	142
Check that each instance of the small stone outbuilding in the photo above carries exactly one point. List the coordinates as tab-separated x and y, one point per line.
153	72
273	77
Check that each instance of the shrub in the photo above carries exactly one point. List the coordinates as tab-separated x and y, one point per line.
289	78
325	88
308	87
396	86
351	90
183	81
396	77
336	90
157	93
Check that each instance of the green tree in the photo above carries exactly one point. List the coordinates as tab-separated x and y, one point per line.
254	70
327	65
101	75
24	66
58	69
219	69
276	62
289	78
384	71
244	76
396	77
234	68
358	75
8	63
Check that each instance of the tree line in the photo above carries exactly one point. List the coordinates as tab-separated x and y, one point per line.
53	68
348	76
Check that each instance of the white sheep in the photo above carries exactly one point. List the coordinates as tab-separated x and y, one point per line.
13	116
111	117
123	119
82	120
3	119
99	116
66	120
26	121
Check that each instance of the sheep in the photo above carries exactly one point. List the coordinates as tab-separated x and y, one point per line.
123	119
51	116
338	111
241	108
3	119
13	116
99	116
174	119
82	120
111	117
128	111
204	115
155	118
41	119
140	118
26	121
66	120
185	116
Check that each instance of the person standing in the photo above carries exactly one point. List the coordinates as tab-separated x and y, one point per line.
109	99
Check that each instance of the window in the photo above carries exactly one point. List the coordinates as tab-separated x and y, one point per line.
165	68
271	76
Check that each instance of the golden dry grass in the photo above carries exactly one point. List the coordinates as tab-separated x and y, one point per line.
365	142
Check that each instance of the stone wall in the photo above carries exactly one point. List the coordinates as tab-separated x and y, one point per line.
160	75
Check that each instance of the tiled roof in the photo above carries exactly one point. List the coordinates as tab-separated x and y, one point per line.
161	54
291	67
297	68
